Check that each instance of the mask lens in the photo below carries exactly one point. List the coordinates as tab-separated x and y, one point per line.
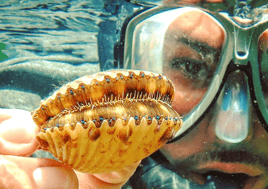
183	44
191	50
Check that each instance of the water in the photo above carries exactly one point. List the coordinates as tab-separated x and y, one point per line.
47	42
50	42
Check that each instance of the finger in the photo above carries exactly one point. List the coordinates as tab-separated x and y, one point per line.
121	176
17	133
17	126
4	116
112	180
24	172
8	148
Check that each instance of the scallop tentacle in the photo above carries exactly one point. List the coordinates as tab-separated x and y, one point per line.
119	84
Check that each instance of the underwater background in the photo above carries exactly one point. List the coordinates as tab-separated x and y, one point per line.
51	42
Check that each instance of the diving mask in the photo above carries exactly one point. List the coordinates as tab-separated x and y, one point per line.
201	51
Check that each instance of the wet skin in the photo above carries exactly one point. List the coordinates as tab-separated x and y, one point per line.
201	151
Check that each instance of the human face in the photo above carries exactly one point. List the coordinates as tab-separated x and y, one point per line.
202	152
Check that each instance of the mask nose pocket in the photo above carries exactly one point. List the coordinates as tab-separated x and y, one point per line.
232	109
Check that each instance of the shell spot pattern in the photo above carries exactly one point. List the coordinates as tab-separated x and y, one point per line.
106	121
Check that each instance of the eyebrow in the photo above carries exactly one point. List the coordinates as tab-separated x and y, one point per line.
204	48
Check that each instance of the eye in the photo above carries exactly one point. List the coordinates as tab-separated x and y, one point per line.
192	69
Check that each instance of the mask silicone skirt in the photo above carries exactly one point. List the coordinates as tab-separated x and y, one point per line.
104	122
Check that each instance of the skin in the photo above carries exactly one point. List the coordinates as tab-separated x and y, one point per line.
201	150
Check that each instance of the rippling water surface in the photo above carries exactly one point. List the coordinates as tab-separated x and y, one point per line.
49	42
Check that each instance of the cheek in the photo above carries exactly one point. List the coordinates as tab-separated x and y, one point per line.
194	142
187	95
260	135
186	98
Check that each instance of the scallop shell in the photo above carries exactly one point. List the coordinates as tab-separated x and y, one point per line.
109	120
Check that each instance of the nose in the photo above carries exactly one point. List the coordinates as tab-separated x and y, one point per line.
231	115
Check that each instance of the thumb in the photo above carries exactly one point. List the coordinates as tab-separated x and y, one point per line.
17	133
113	180
35	173
120	176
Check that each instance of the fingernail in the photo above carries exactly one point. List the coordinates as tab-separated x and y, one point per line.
55	177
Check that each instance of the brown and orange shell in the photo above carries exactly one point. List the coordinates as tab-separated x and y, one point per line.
109	120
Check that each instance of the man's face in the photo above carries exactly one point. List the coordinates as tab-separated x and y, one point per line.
192	46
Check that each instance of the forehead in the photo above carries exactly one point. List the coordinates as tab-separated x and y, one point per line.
197	26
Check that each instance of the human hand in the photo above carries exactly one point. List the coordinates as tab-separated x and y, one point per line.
17	170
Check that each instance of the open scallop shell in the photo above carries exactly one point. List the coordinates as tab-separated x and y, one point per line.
104	122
